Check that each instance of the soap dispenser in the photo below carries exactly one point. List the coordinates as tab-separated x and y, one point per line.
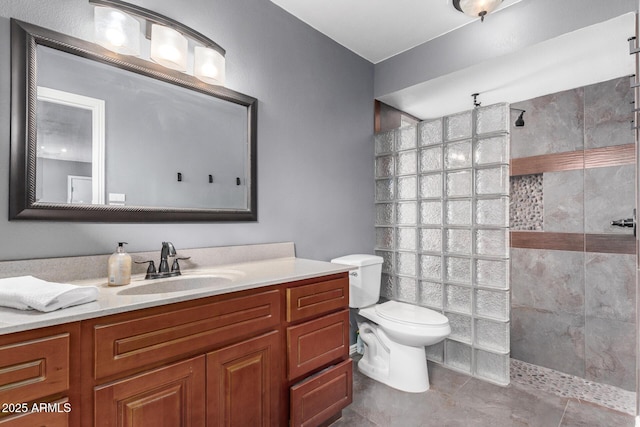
119	267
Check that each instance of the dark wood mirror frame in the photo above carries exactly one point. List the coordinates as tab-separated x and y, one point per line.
22	183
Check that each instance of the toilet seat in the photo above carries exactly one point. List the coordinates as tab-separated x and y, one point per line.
410	314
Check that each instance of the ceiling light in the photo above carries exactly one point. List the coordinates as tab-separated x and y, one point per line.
117	31
476	8
168	47
209	65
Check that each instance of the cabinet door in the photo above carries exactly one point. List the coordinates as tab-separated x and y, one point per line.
172	396
243	383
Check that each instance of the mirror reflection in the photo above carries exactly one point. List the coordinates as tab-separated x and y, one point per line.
98	136
153	132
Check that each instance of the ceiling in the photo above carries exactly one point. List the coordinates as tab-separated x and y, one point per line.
380	29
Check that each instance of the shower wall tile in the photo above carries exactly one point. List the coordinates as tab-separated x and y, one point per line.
407	187
494	367
406	290
384	190
610	352
457	356
492	212
431	294
492	335
492	273
458	126
384	238
406	238
387	285
491	150
460	327
384	166
457	155
609	194
553	124
607	113
430	239
384	142
385	213
430	132
430	186
458	299
606	298
493	118
407	162
555	340
548	280
431	159
564	201
406	138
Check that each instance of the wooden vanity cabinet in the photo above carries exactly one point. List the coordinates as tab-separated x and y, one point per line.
38	385
319	369
213	361
270	356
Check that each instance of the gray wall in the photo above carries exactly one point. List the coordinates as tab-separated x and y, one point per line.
315	130
523	24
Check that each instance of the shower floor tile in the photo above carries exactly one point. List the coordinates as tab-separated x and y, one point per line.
459	400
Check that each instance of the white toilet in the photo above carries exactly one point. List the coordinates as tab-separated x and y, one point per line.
397	333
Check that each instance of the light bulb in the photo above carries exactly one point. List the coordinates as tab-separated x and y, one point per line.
117	31
209	65
168	47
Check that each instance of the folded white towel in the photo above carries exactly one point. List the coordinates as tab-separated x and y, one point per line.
28	292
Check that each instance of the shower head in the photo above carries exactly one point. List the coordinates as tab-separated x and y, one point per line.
520	120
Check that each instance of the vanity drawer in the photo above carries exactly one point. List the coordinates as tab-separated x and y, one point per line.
315	299
320	397
34	369
146	341
315	344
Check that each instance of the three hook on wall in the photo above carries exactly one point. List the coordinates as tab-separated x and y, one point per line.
179	178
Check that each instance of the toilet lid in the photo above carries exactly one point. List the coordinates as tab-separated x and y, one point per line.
409	313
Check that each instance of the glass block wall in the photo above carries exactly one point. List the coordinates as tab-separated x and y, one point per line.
442	204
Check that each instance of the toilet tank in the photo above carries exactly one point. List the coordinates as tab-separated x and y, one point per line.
364	283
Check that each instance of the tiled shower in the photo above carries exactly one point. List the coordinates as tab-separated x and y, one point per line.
573	274
442	228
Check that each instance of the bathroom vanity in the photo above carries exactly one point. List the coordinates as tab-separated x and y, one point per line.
268	347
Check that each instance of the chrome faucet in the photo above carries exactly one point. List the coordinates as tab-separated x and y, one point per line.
167	251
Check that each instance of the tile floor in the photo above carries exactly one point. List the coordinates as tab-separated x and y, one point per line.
459	400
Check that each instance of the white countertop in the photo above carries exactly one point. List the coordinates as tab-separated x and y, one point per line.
112	300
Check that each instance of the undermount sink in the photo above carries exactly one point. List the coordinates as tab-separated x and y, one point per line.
178	284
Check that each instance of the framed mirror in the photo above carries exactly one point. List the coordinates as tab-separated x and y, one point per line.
98	136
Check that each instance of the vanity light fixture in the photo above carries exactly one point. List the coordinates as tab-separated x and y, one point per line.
476	8
168	47
169	41
117	31
209	65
